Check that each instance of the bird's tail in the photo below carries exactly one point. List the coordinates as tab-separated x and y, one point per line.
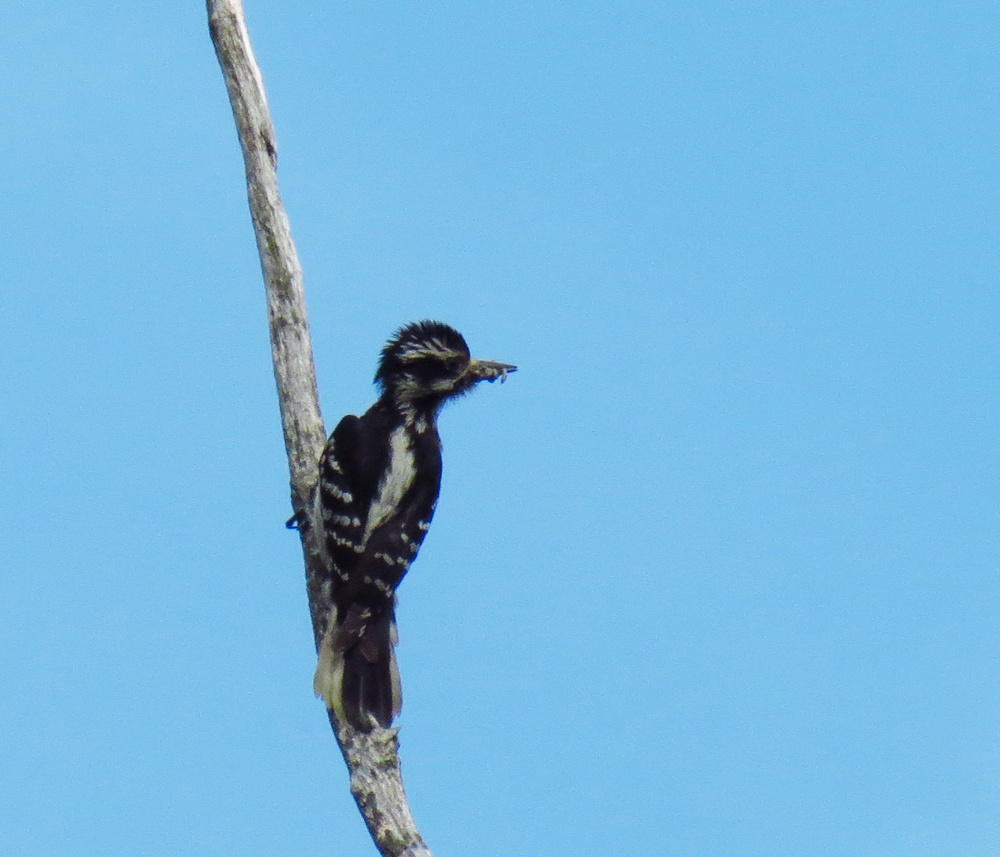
356	674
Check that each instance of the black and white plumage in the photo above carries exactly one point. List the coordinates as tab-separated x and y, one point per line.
378	485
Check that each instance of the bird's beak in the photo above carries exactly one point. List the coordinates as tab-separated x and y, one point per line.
489	370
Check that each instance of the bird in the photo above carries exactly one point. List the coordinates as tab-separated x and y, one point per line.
379	479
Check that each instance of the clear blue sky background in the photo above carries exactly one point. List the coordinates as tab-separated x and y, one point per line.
714	574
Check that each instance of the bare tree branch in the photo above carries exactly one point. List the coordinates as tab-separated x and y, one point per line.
372	758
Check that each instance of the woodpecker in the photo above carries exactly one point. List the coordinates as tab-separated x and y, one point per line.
379	477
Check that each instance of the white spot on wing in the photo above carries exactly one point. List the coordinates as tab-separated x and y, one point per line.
345	543
343	496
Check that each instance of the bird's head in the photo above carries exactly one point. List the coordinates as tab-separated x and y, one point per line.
427	362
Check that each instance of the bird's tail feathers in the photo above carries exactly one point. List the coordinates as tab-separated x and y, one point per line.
357	675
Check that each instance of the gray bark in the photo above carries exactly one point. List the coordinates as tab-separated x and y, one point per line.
372	758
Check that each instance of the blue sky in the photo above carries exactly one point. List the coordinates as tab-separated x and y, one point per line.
714	574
